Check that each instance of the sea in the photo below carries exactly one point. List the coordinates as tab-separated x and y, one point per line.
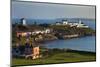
87	43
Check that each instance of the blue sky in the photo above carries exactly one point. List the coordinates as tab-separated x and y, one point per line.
50	11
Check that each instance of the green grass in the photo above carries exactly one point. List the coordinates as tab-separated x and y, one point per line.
60	57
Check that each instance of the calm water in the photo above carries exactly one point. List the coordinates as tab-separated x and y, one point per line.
83	43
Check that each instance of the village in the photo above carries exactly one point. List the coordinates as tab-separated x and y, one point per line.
48	30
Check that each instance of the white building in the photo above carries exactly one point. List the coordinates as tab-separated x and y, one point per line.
58	23
41	31
65	22
73	24
47	31
81	25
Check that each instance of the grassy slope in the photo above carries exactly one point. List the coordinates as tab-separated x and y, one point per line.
57	58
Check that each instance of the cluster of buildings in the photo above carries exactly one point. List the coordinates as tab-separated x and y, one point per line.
31	32
34	32
28	51
79	24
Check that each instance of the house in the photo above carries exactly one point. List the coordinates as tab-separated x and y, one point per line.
23	33
58	23
33	52
64	22
36	52
45	31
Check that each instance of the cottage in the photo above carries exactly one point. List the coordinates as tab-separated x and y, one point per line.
21	34
33	52
36	52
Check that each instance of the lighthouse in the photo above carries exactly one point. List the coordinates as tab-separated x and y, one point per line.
23	22
80	22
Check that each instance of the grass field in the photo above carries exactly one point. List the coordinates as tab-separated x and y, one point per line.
57	57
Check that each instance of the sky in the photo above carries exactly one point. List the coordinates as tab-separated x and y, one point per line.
33	10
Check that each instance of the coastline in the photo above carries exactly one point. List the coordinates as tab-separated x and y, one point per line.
54	55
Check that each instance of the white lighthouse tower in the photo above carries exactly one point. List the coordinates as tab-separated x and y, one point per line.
80	22
23	21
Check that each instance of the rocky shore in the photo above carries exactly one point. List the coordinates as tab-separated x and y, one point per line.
55	32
